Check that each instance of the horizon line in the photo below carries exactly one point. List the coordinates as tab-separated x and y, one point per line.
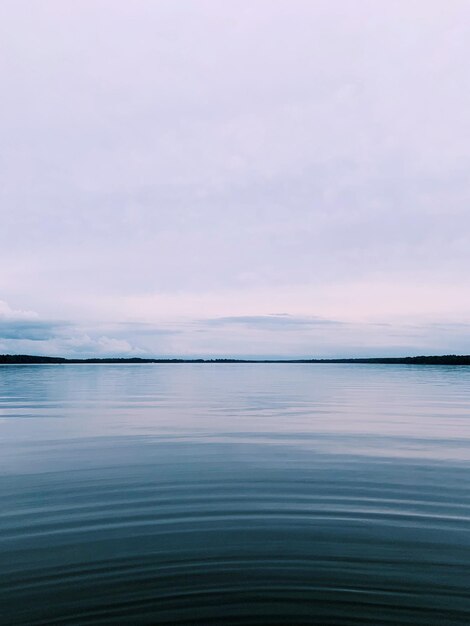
445	359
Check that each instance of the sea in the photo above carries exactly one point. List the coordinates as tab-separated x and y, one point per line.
225	493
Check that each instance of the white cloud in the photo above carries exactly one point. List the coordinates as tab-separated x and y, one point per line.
7	313
109	345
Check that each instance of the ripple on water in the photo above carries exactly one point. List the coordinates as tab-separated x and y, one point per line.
212	521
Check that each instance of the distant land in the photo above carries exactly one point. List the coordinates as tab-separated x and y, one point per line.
447	359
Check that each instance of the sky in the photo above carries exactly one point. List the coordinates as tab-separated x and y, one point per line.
236	178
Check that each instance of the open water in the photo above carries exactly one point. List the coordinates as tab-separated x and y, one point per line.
206	494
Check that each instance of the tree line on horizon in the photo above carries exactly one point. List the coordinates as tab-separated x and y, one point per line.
447	359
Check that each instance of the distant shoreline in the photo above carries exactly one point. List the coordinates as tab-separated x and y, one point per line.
448	359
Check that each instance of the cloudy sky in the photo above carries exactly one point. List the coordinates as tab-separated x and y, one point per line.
263	177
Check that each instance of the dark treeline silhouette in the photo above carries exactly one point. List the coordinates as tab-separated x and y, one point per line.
448	359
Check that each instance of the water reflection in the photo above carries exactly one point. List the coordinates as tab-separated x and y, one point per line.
238	494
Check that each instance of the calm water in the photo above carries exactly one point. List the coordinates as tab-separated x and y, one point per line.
234	494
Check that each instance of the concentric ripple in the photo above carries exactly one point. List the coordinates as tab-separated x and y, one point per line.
234	494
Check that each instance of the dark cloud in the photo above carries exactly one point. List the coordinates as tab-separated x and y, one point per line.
281	321
144	329
31	330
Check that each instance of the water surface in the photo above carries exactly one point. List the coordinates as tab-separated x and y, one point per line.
234	494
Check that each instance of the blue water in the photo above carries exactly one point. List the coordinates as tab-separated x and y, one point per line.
234	494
